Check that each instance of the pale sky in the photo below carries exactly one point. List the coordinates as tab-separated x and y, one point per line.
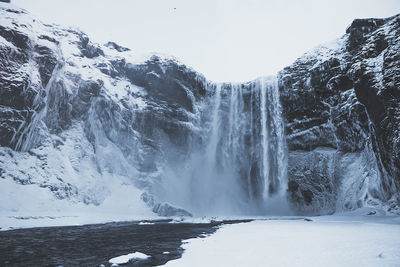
225	40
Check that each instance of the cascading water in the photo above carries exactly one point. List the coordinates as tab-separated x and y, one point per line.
273	139
211	150
29	135
241	165
264	140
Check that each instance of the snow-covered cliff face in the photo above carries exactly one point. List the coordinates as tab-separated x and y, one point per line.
341	105
83	120
98	124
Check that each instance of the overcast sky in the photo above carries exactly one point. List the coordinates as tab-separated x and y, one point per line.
226	40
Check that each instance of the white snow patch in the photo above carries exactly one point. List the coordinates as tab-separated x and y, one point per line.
128	257
123	89
153	73
6	43
325	241
146	223
85	189
24	206
376	66
326	51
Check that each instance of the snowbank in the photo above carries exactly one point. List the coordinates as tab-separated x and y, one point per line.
324	241
24	206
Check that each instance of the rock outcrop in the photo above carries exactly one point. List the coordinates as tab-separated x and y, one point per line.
345	96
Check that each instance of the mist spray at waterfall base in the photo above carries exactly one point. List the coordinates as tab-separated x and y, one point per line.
239	166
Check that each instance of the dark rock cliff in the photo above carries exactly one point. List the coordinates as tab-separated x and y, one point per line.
345	96
70	108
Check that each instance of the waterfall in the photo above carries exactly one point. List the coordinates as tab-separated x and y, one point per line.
240	166
31	132
238	136
275	179
264	139
29	135
232	117
213	143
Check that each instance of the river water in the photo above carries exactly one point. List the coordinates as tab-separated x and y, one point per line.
93	245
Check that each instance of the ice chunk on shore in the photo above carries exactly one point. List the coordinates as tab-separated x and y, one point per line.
128	257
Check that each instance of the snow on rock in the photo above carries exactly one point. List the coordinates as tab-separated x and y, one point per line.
75	124
30	205
128	257
48	182
343	96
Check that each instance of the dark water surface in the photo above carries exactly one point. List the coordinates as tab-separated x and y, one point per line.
92	245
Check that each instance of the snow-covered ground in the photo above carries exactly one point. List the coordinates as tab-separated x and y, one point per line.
324	241
24	206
